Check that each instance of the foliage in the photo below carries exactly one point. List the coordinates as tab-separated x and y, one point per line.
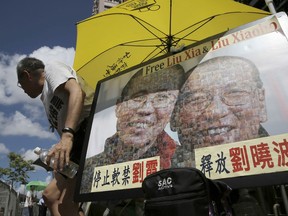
17	170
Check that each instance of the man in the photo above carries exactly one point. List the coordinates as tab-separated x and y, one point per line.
222	101
67	106
30	200
142	112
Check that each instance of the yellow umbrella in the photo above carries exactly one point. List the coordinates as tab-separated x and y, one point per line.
139	30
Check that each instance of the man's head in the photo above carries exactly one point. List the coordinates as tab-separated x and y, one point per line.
222	101
30	76
32	187
146	104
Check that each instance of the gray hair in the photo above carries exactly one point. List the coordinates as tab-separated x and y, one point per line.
30	64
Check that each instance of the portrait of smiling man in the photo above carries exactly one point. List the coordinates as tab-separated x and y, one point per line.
142	111
222	101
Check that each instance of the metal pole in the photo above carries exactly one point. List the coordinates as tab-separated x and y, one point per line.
276	209
270	5
284	197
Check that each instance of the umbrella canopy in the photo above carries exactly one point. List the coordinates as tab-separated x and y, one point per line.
139	30
39	185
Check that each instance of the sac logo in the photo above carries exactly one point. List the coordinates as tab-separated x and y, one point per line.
165	183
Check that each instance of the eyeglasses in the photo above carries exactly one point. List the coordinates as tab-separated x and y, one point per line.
158	100
200	100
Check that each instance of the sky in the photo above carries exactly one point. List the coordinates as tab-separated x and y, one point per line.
45	30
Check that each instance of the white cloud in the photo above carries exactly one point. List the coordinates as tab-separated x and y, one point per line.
35	113
30	155
3	149
18	124
21	189
10	93
46	54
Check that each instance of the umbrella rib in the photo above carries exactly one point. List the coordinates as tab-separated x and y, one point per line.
140	22
97	56
130	43
157	47
148	56
137	45
137	19
207	20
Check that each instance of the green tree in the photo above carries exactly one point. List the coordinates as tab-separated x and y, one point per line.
17	172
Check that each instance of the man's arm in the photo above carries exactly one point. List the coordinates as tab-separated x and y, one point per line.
61	151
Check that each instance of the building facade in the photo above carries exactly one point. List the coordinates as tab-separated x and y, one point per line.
102	5
9	203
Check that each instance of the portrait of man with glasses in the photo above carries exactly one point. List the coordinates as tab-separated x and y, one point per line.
142	111
222	101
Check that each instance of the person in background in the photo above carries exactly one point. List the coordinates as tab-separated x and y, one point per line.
30	200
67	106
42	207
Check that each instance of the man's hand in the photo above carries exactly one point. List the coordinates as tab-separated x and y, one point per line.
61	152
